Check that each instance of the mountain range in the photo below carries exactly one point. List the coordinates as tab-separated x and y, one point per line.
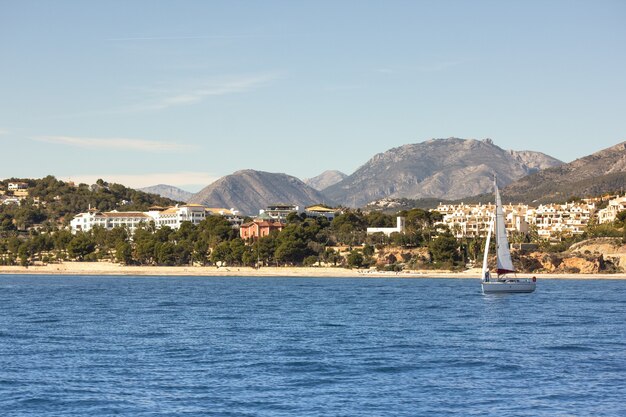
325	179
438	169
168	191
250	190
595	174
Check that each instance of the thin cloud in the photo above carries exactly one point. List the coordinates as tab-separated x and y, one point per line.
116	143
187	180
176	38
431	67
166	99
4	132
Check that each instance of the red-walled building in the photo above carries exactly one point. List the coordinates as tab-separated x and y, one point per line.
256	229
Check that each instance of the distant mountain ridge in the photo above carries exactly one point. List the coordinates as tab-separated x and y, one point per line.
168	191
438	168
595	174
325	179
250	190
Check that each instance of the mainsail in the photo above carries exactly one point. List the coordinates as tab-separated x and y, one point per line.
505	265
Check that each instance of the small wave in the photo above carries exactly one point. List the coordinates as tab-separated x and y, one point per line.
508	367
390	369
570	348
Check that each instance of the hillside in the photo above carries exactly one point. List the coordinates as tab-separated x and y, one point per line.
58	201
250	190
325	179
439	168
168	191
596	174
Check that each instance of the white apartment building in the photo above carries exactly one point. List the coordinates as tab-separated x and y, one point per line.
278	212
609	214
319	210
93	218
172	217
231	215
552	220
473	220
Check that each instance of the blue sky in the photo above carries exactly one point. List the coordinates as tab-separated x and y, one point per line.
146	92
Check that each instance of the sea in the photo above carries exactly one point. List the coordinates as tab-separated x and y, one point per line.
234	346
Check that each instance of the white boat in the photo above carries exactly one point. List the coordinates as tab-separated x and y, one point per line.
502	283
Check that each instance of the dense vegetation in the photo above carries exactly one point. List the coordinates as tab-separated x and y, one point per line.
303	241
36	232
52	203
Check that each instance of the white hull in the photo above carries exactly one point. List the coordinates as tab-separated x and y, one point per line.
508	286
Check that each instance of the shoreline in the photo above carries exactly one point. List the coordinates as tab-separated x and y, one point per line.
112	269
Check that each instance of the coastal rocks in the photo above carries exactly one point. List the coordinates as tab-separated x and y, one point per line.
415	256
563	263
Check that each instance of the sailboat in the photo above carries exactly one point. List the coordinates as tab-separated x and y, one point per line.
501	283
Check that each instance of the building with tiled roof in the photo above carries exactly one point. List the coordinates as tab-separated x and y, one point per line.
256	229
172	217
320	210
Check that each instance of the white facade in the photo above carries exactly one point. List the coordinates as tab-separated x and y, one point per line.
231	215
554	220
279	211
400	227
13	186
93	218
172	217
473	220
609	214
550	220
321	211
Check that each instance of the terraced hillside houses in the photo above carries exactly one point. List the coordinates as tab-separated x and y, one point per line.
549	221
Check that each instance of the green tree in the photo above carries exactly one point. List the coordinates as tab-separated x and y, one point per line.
355	259
444	249
124	253
221	253
80	246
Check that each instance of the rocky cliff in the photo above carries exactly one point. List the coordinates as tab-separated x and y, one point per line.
439	168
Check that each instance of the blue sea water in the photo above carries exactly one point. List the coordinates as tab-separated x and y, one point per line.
200	346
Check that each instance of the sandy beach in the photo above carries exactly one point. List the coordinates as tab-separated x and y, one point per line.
107	268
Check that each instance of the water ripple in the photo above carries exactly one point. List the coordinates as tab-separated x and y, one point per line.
196	346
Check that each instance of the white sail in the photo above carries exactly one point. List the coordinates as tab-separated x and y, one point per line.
486	254
505	264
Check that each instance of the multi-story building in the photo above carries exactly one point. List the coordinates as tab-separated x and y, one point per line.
93	218
172	217
231	215
550	220
321	211
278	211
473	220
556	220
256	229
609	213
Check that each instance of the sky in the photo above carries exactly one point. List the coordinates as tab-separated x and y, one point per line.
184	92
